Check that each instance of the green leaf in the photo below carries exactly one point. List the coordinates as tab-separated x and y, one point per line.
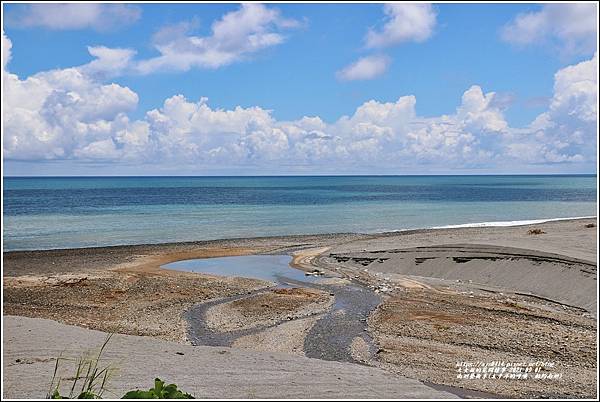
138	394
158	386
160	391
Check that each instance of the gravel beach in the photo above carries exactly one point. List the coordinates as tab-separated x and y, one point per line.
441	297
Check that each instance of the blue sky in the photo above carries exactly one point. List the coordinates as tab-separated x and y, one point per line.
461	46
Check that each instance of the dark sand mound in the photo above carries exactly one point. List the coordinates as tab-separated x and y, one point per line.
559	278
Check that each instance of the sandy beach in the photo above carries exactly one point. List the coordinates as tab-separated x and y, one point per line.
415	304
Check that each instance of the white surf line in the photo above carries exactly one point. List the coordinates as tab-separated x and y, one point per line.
509	223
486	224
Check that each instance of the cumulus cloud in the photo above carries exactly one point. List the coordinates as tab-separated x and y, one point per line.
404	23
567	131
67	16
53	114
234	37
108	62
479	111
572	27
365	68
71	114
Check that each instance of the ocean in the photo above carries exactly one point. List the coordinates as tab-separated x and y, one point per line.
68	212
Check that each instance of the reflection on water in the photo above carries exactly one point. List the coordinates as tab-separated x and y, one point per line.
273	268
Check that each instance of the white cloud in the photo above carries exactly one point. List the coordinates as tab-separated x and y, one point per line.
99	150
108	62
234	37
71	114
6	51
53	114
365	68
478	111
576	91
66	16
404	23
567	132
572	27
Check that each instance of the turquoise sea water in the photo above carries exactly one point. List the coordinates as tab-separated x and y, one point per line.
44	213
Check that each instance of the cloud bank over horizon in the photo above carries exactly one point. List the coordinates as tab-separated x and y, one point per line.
79	115
68	115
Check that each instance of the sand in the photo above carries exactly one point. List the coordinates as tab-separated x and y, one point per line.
570	238
205	372
267	309
287	337
525	296
566	280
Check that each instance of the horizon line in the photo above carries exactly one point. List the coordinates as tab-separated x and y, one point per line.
301	175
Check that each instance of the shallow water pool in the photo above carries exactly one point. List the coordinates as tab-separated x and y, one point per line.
274	268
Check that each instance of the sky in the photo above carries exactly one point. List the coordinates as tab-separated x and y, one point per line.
251	89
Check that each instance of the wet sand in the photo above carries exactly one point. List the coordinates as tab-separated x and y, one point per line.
538	291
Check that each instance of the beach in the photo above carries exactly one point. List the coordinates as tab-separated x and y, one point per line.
417	303
300	201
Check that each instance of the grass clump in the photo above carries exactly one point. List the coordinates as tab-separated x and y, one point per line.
91	381
91	377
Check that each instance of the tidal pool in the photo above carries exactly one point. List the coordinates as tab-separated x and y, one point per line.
274	268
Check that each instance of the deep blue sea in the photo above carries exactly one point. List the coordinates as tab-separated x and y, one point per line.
45	213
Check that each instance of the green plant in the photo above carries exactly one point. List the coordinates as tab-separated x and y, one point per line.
160	391
92	378
93	381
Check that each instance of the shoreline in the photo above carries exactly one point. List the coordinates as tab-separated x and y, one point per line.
523	222
429	280
488	224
